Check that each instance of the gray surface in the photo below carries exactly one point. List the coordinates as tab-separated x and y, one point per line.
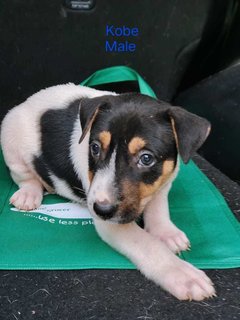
109	294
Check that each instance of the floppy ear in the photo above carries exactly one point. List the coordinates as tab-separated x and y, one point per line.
190	131
89	108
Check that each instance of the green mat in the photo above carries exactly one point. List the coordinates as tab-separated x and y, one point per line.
61	235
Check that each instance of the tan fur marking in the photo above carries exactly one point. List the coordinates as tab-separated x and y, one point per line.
105	139
168	167
131	201
45	185
135	145
89	125
174	132
90	176
146	190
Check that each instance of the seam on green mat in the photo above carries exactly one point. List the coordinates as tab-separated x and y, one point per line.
234	263
202	265
59	266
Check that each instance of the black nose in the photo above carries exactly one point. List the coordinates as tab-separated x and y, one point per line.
104	209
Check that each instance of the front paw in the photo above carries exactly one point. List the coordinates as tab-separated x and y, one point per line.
186	282
174	238
26	199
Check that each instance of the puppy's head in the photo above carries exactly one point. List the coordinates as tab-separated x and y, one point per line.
134	141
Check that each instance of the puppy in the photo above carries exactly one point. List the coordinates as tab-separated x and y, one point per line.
120	154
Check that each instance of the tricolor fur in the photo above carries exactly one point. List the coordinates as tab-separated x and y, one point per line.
120	154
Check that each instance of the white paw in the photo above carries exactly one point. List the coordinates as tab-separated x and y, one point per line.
27	198
186	282
174	238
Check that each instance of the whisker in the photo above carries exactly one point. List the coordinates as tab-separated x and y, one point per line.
79	189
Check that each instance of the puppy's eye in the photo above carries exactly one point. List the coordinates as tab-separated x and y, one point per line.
95	149
146	159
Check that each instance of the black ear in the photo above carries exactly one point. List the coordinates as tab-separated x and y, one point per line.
89	109
190	131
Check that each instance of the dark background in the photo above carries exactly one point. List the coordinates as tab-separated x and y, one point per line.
43	45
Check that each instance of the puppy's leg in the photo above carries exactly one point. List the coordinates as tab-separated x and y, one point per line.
157	222
30	193
153	258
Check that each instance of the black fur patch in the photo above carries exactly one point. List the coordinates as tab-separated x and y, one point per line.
56	129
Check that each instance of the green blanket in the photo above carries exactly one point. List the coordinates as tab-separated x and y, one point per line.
61	235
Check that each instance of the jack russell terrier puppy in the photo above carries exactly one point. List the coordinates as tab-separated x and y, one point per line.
120	154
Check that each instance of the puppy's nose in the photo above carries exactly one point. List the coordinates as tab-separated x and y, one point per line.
104	209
